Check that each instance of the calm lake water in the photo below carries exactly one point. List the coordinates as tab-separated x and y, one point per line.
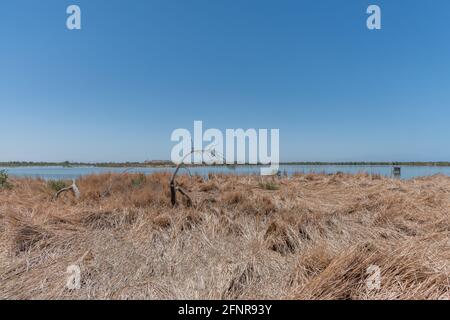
408	172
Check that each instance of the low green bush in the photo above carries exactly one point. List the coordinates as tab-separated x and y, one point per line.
4	184
56	185
138	181
269	186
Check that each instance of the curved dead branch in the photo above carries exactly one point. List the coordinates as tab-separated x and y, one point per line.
174	188
76	192
184	193
173	184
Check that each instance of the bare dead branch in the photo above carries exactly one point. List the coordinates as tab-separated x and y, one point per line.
75	190
184	193
173	184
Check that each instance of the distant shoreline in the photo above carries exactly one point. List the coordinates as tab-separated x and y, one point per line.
159	164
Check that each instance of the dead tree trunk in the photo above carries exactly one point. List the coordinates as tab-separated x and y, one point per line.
174	189
173	184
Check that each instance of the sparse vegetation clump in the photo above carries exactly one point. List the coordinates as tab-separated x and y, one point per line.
269	186
4	183
57	185
138	181
314	238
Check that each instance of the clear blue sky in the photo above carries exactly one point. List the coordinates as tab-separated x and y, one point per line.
115	90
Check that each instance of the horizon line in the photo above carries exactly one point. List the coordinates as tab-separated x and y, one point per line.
170	163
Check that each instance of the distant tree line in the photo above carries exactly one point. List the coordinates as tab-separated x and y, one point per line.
381	163
164	163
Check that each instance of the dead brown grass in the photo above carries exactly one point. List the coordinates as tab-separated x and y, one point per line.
312	237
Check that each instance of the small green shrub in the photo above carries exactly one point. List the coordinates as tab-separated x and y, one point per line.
140	180
4	184
56	185
269	186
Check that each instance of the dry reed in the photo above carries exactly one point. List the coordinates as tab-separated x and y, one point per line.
312	237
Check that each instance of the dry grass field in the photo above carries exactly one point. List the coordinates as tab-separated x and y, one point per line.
304	237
